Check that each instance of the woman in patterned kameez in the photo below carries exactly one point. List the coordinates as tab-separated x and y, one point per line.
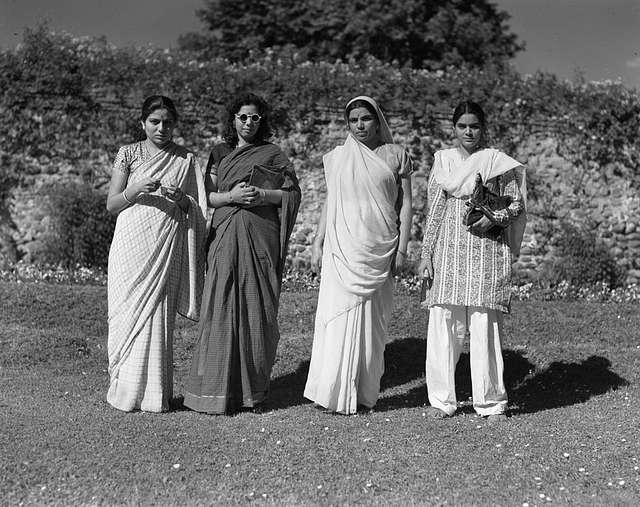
238	331
469	267
361	237
156	262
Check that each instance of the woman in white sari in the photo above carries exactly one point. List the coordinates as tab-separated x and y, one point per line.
361	237
469	266
156	259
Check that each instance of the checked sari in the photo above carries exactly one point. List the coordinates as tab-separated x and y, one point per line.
155	269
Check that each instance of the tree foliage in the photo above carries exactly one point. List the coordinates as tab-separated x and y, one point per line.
431	34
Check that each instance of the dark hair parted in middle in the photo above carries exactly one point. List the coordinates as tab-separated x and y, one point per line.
469	107
360	103
154	102
264	132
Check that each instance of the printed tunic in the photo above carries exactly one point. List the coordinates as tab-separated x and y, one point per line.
469	269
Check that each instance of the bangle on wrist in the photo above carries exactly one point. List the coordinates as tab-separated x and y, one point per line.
230	195
124	194
403	252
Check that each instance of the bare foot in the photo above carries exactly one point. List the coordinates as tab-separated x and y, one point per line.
436	413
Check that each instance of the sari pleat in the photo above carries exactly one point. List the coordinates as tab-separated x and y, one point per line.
238	331
356	289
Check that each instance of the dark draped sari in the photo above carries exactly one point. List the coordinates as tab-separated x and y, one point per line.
238	329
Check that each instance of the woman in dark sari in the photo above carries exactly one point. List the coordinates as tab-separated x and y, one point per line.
255	193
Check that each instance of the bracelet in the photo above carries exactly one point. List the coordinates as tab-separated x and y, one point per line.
230	197
402	252
124	194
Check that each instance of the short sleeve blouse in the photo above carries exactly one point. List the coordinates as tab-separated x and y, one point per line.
130	157
218	152
397	158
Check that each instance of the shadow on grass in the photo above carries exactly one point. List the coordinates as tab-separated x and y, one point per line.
563	384
403	362
286	390
560	384
516	369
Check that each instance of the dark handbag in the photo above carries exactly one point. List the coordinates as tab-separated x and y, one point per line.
267	177
484	202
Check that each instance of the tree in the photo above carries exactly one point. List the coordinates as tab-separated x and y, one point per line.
421	33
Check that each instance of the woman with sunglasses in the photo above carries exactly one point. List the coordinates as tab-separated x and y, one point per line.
361	237
254	191
469	266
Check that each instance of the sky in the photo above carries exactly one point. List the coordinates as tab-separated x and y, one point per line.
599	39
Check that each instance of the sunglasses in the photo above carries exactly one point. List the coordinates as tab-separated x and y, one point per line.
255	118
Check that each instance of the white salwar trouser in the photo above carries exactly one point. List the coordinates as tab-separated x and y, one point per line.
445	337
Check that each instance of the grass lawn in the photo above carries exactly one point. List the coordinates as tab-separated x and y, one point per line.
573	372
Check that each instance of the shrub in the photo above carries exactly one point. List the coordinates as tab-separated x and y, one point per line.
81	228
580	259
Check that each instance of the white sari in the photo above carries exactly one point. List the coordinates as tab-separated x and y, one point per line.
356	287
155	269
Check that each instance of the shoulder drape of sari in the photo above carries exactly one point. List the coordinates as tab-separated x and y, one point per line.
361	232
457	177
156	249
238	329
236	167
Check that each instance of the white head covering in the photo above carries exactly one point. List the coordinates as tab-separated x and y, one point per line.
385	131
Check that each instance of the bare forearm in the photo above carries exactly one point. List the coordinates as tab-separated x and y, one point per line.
406	214
219	199
318	239
120	201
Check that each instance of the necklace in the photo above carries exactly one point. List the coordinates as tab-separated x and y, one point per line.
150	149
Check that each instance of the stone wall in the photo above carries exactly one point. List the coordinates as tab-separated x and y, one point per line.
561	192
